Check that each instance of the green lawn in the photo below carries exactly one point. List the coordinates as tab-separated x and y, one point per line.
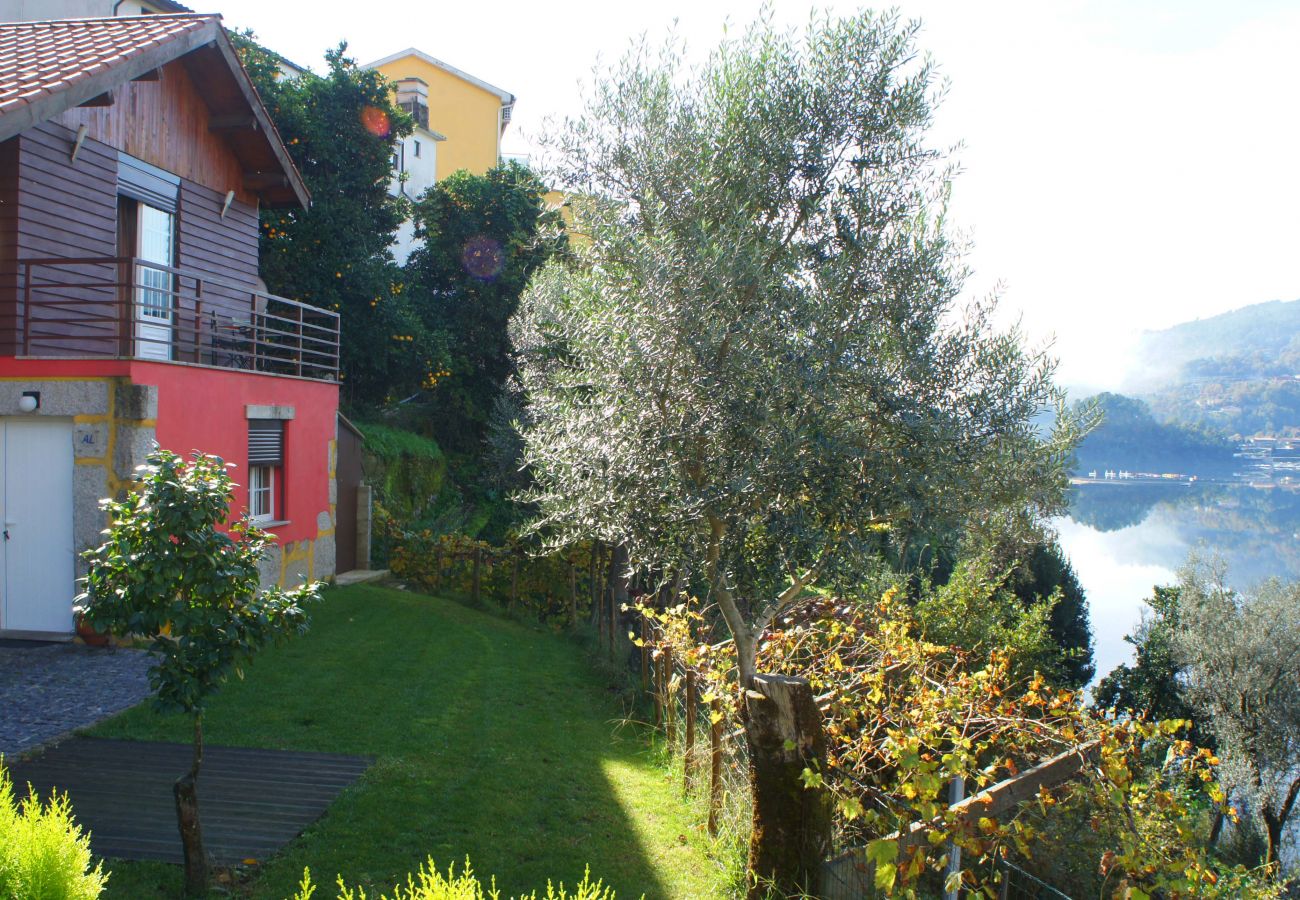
494	740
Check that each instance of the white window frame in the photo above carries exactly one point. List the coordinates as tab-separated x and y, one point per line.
258	490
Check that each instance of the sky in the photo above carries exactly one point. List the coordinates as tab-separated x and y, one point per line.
1126	164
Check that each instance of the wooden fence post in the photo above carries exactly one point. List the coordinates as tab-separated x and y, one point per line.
659	688
645	656
670	713
715	764
591	582
792	822
573	594
688	768
474	584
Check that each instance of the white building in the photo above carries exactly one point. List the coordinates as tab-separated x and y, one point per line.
415	159
36	10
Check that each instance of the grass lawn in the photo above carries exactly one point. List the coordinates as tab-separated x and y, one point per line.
493	740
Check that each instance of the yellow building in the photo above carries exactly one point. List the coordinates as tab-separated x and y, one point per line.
468	113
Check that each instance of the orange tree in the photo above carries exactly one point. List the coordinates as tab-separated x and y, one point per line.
172	571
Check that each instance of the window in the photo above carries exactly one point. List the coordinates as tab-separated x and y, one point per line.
417	147
261	493
265	469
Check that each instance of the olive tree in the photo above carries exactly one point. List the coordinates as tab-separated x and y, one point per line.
1240	660
761	356
167	573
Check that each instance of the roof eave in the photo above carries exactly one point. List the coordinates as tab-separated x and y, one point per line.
44	108
504	96
254	100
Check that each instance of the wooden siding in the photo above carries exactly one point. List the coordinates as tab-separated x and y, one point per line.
8	236
348	475
63	209
66	210
165	123
225	249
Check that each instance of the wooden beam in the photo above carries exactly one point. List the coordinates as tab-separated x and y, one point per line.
104	99
256	181
151	75
239	122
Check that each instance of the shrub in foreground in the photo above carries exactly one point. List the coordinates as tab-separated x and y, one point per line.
430	884
44	855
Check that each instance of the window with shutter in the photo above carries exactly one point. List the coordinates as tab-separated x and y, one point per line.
265	458
265	442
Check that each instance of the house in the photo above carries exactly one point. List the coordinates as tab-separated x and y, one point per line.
415	158
459	121
134	158
24	10
469	112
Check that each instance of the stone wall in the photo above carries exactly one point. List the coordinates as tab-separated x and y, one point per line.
113	428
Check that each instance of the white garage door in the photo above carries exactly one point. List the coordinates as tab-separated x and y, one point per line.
38	562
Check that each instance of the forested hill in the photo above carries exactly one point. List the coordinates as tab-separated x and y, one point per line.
1131	438
1260	331
1236	373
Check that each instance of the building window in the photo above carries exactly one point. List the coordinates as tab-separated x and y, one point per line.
261	493
265	469
417	147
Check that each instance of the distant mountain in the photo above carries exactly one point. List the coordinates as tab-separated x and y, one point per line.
1238	373
1262	329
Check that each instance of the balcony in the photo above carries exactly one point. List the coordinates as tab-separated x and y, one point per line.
128	308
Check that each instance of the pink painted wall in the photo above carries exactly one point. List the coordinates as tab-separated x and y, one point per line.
203	409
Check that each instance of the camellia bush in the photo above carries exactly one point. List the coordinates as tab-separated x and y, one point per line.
175	572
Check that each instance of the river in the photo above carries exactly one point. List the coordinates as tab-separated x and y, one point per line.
1123	539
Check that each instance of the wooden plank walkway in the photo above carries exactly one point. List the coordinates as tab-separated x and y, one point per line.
252	802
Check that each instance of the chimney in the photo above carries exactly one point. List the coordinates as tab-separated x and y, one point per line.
413	96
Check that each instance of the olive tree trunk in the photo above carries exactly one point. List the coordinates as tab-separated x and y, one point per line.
792	822
186	794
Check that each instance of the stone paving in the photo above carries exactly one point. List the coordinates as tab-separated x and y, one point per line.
49	690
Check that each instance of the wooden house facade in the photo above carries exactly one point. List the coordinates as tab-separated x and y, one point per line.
135	156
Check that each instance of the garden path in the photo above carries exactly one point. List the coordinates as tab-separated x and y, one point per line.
50	689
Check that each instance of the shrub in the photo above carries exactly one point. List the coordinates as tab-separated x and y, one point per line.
430	884
44	855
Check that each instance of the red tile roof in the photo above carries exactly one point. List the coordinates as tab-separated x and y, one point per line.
38	59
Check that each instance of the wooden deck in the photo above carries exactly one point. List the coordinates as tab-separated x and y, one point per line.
252	802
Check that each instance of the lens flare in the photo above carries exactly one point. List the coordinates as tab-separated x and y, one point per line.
375	121
483	258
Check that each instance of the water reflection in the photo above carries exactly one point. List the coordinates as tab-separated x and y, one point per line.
1123	539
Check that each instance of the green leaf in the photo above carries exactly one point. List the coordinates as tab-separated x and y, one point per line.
882	851
886	875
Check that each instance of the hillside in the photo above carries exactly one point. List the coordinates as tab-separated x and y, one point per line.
1237	373
1260	330
1130	437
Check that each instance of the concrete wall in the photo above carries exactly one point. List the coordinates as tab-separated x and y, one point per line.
113	424
421	173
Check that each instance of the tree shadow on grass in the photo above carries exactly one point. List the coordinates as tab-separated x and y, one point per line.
494	742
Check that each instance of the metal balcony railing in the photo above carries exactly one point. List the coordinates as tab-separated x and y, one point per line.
129	308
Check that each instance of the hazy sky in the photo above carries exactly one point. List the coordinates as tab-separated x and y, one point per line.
1127	165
